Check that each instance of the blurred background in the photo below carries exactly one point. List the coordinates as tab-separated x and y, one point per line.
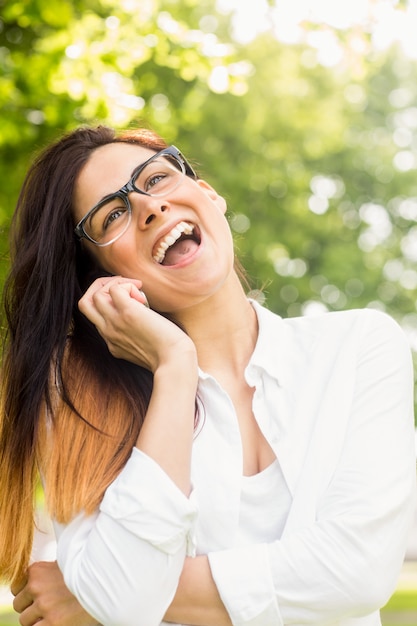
302	113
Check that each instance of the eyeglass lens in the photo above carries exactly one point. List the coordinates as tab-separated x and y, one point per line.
112	216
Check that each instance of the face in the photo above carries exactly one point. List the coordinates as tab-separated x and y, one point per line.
178	245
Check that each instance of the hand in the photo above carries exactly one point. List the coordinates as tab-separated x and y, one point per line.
44	599
132	331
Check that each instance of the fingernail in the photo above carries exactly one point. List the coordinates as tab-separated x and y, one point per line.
146	303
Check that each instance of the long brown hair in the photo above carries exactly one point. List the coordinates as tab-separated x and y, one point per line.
67	405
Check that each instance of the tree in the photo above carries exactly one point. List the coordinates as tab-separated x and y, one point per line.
317	160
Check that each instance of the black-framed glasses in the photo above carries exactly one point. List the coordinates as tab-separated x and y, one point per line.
110	218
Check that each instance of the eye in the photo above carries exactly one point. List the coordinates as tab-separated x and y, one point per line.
112	216
154	180
158	176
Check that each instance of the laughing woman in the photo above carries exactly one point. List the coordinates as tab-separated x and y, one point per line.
205	461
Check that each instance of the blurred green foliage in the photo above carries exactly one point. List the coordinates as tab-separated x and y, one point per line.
317	160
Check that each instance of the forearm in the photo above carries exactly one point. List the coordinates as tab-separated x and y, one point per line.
167	433
124	563
197	600
124	581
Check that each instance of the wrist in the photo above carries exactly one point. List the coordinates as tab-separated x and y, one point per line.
178	363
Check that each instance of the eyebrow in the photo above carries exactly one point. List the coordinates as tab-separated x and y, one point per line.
143	163
132	173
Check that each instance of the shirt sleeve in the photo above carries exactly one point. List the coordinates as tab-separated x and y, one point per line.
345	562
123	563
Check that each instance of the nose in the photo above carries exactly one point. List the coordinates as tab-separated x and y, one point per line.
145	208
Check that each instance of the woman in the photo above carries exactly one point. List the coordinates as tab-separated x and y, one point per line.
205	461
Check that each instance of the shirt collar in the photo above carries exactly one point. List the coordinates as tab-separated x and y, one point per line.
273	348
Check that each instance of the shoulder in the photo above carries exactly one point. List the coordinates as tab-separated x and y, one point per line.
359	327
353	320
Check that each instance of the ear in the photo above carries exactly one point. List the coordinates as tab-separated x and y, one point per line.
213	195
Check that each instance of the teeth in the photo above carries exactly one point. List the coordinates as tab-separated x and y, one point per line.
171	238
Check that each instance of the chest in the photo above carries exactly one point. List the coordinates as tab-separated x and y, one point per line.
257	453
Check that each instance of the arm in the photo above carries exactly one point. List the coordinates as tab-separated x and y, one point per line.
197	600
136	333
45	595
343	560
124	562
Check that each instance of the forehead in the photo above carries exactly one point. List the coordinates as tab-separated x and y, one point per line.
107	169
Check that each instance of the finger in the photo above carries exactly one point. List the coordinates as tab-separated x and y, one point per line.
99	284
131	289
22	600
31	616
127	306
117	298
139	295
103	284
98	294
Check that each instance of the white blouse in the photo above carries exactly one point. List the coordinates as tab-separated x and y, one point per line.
265	501
334	399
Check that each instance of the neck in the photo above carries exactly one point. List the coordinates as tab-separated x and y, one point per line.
223	328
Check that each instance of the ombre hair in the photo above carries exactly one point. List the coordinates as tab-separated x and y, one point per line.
69	409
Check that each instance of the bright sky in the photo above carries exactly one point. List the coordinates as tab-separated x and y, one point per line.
383	18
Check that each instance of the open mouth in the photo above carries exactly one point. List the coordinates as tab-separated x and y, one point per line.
182	240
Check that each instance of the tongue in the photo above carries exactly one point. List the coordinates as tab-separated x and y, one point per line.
180	248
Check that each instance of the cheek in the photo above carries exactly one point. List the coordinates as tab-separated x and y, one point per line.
114	257
124	262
